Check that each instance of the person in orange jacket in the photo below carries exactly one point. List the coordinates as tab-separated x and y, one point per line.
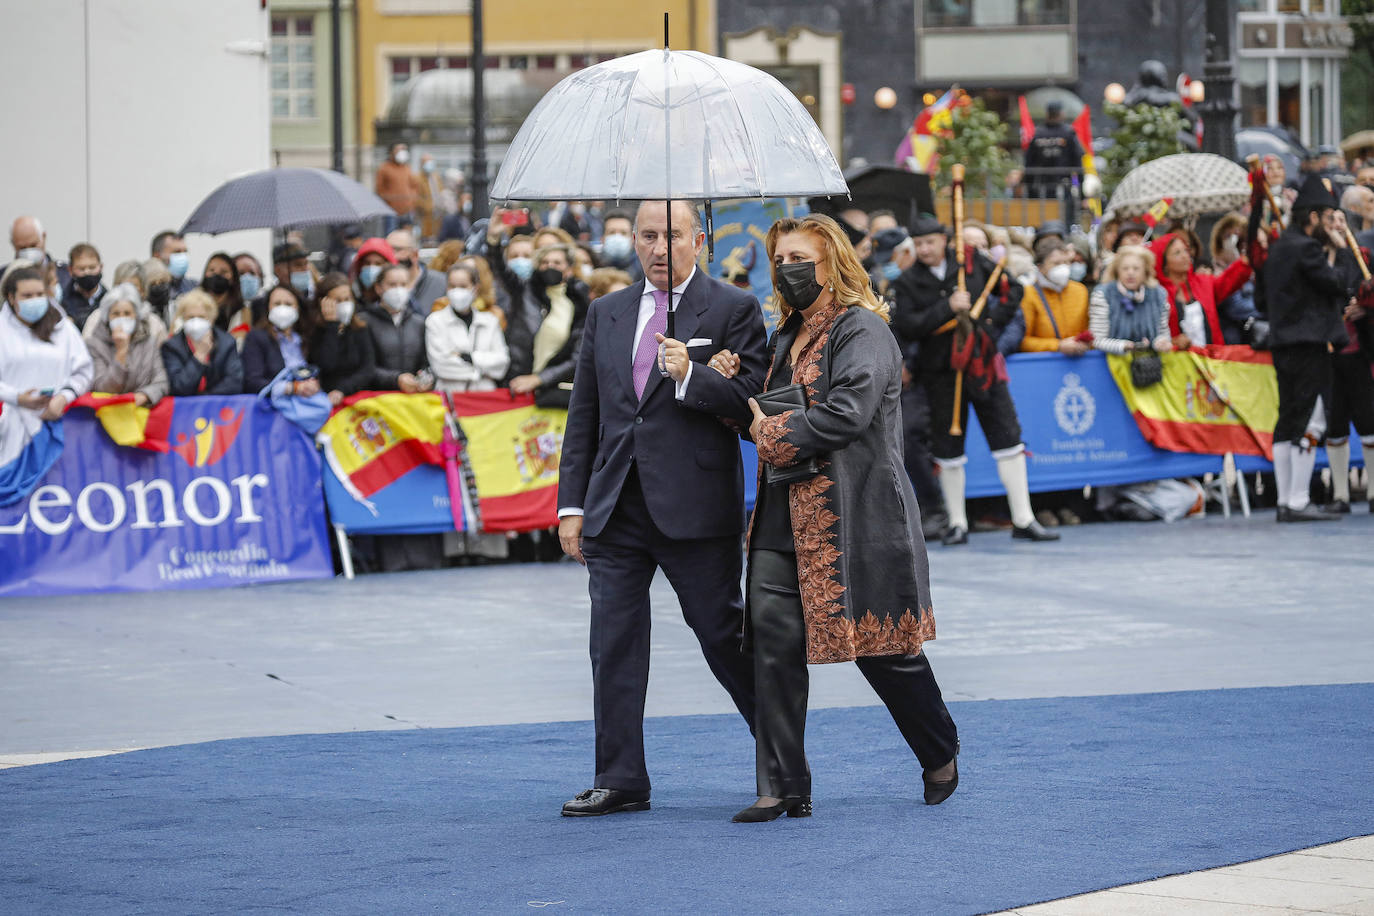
1055	305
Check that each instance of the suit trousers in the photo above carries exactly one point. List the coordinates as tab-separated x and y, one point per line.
705	574
904	683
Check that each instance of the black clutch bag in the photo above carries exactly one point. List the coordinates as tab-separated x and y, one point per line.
1146	368
772	403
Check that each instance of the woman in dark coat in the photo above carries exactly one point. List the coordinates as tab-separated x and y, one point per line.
837	564
280	341
199	357
341	345
544	333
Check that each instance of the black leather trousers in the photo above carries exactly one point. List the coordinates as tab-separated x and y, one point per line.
904	683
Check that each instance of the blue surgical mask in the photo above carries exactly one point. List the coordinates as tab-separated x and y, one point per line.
1078	270
249	285
521	267
301	280
617	248
369	274
177	264
891	271
33	309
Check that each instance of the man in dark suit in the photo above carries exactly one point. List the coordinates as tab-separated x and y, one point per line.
650	479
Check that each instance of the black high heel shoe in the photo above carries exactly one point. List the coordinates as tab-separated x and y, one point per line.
758	814
937	792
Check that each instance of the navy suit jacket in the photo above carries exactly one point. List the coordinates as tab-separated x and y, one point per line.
688	460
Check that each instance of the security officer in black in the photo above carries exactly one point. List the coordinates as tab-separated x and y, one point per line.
1305	297
1054	155
927	300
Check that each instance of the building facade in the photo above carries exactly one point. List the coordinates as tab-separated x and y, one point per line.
1289	69
301	83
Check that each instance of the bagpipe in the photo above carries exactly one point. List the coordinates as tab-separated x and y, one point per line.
1260	194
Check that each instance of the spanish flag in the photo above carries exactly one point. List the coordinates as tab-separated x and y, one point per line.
127	423
1212	400
512	448
375	439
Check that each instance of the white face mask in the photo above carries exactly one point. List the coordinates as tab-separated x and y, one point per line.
461	299
283	316
123	325
403	156
1059	275
345	311
396	298
196	328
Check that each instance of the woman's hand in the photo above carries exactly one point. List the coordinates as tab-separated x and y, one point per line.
201	349
1131	345
524	384
57	405
141	399
33	400
726	363
308	387
673	357
759	417
407	383
1182	342
1072	346
336	398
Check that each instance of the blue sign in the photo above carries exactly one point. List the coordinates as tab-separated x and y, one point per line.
415	503
236	501
739	231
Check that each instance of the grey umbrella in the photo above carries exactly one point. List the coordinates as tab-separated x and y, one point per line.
277	198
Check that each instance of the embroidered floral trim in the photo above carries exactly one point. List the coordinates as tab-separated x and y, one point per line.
772	442
840	639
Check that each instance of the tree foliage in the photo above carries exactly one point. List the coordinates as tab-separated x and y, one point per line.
978	140
1143	132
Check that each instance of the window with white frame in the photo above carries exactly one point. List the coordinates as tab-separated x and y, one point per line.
293	67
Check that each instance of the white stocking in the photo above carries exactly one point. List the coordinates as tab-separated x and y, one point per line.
952	486
1012	470
1283	469
1338	456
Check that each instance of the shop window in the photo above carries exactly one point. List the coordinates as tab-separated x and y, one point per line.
1253	76
1290	94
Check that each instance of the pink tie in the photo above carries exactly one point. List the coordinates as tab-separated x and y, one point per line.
646	354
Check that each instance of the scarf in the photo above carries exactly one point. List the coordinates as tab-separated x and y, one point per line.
1134	316
556	327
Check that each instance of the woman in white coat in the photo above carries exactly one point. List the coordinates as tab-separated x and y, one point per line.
467	348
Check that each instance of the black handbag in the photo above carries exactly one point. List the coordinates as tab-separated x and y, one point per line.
1146	368
772	403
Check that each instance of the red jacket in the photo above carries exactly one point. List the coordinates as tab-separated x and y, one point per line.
1208	290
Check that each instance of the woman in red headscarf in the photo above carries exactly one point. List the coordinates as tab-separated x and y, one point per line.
1193	297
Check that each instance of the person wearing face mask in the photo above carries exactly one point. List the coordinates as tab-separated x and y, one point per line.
250	276
837	564
1054	305
170	248
126	355
159	285
1193	316
200	358
467	349
221	280
545	332
1237	312
281	341
341	345
576	222
82	294
44	364
1128	310
398	185
928	303
1306	296
398	335
618	245
887	268
374	255
426	285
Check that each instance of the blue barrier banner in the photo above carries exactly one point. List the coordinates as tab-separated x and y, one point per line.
415	503
740	230
236	501
1077	431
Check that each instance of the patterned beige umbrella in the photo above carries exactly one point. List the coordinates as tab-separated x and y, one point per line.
1198	182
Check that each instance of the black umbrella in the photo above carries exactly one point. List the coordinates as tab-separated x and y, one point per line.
881	187
277	198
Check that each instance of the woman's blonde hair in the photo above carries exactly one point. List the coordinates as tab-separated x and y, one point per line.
604	279
1141	254
195	296
847	276
449	253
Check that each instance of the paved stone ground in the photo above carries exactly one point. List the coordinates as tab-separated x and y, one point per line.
1110	609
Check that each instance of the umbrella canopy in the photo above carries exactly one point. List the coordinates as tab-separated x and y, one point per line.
277	198
668	125
1360	140
1198	182
1260	141
882	187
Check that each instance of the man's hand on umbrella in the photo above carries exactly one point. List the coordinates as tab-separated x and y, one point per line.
673	357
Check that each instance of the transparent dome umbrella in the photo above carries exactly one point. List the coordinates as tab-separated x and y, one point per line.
668	125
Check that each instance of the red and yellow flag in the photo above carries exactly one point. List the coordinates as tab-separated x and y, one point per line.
127	423
513	449
375	439
1156	213
1212	400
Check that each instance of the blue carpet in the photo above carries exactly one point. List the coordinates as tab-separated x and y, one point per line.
1057	797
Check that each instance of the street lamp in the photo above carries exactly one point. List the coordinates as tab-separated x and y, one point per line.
1219	111
1114	93
885	98
1197	92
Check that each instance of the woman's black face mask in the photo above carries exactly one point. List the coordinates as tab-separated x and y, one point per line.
797	284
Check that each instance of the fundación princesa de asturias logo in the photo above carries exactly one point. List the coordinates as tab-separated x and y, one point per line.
211	438
1074	406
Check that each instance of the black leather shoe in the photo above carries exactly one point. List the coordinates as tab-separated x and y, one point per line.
953	536
1338	506
1281	514
596	802
758	814
1033	532
937	792
1309	513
